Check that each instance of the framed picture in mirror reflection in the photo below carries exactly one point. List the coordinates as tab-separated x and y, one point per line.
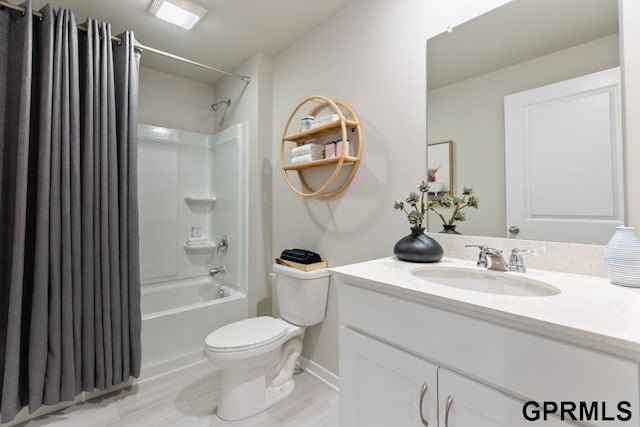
440	169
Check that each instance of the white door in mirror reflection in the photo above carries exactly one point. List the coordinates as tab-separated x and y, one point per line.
563	154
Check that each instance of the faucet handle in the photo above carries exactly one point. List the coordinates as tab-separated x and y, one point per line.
516	262
482	257
223	244
517	251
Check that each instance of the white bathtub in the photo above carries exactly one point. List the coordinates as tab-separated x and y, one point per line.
177	316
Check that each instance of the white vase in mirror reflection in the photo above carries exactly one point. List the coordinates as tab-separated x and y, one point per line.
622	257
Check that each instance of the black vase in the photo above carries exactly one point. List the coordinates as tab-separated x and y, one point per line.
449	229
418	247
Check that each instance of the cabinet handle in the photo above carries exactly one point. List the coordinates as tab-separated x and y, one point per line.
423	391
447	408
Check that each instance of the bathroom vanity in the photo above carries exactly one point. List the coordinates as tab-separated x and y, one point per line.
415	350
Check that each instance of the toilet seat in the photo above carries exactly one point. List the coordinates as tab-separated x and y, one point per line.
246	335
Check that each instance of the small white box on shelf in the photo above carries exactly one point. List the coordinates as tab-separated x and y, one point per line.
339	148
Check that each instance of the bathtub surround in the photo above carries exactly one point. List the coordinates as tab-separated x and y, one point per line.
70	296
190	184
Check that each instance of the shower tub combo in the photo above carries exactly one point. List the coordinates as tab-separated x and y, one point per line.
190	182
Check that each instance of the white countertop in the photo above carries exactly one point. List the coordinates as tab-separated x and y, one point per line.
587	307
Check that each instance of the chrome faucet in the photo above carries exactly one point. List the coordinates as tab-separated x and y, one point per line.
490	258
493	259
215	270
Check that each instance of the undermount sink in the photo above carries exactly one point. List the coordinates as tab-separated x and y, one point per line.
489	281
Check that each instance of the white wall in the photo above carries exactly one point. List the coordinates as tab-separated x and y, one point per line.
253	103
471	113
372	56
175	102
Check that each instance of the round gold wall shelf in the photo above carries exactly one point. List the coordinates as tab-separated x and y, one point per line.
347	120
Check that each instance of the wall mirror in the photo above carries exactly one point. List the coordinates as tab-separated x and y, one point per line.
440	169
520	56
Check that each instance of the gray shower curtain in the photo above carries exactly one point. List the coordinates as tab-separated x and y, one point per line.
69	272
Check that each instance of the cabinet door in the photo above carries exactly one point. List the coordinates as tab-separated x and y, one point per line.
474	404
381	385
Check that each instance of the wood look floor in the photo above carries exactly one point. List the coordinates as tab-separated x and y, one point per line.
188	398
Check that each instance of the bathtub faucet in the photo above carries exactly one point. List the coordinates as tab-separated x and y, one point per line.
223	244
215	270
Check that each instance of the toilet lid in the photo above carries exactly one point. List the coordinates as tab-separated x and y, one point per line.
246	334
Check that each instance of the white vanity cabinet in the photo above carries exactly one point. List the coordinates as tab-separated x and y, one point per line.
381	385
392	346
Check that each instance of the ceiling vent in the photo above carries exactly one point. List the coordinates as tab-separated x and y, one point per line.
183	13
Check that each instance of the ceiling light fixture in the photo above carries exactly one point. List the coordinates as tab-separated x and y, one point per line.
182	13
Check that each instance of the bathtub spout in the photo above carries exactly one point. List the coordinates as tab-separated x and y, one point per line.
215	270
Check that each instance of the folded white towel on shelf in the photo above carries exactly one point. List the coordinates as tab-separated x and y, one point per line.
319	121
304	158
197	241
313	148
197	245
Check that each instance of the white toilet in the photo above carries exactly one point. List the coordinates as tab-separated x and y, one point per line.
258	355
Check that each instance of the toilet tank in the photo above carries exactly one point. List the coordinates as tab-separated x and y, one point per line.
302	295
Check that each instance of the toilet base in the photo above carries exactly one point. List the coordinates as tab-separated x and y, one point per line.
281	392
251	388
246	394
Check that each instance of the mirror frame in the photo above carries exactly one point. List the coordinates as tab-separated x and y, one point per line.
438	195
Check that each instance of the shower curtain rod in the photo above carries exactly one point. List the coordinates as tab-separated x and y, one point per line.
141	46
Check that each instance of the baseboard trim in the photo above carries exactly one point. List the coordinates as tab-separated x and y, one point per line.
319	372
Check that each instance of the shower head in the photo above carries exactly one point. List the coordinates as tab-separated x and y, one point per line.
226	103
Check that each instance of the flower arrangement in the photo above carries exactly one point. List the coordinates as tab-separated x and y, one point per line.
467	199
415	206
